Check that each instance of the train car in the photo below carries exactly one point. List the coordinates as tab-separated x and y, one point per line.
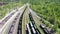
33	30
30	25
19	27
33	22
42	26
28	29
11	29
49	30
30	17
36	29
38	32
45	29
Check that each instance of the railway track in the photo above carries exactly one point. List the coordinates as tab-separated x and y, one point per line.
18	24
31	27
13	24
22	21
42	29
19	31
25	20
6	19
10	22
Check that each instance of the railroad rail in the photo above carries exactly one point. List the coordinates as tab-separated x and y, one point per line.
8	23
32	26
23	21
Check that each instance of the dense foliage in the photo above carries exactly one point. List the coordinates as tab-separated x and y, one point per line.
49	10
7	8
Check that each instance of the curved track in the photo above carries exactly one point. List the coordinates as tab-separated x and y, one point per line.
22	21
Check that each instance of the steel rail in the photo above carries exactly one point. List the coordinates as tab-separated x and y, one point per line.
8	24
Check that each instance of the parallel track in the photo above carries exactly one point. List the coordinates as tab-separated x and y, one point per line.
27	23
19	31
13	24
19	28
32	27
6	19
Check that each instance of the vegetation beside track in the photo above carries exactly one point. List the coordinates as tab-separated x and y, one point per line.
49	11
8	8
